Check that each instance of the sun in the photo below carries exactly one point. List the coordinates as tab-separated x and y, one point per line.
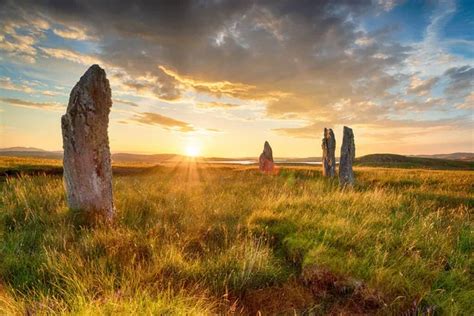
192	151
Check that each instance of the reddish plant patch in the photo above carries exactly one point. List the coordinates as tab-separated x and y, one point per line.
318	289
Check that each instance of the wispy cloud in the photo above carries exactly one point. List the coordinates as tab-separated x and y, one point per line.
74	33
149	118
7	84
422	87
126	102
70	55
215	104
461	80
50	106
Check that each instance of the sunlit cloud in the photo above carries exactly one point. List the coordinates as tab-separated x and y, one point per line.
148	118
222	88
468	103
73	33
215	104
7	84
50	106
126	102
70	55
422	87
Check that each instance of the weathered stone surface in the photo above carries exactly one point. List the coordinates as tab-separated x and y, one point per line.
87	166
265	160
329	148
346	175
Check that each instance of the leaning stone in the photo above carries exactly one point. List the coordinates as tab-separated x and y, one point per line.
265	160
87	166
329	148
346	175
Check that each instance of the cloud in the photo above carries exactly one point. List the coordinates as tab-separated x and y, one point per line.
422	87
50	106
380	129
126	102
468	103
308	60
220	88
20	31
266	51
70	55
166	122
461	80
312	130
7	84
74	33
18	45
402	105
215	104
159	85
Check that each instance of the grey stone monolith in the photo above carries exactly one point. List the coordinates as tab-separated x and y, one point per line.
87	165
346	174
329	147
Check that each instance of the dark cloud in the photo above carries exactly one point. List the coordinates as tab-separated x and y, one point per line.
294	47
461	81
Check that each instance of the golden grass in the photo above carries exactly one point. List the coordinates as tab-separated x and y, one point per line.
197	239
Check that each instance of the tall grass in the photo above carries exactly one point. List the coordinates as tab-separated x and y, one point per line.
192	239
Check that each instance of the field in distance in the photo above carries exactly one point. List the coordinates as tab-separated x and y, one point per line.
193	238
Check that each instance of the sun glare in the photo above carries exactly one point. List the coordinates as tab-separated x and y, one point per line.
192	151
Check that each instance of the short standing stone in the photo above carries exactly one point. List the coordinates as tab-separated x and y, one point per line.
329	148
346	175
87	166
265	160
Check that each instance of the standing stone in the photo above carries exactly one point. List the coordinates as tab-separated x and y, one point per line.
265	160
87	167
329	148
346	175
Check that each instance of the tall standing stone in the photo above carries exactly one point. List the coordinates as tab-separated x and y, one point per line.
329	148
87	166
346	175
265	160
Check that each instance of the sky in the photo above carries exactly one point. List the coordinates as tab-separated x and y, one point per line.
218	78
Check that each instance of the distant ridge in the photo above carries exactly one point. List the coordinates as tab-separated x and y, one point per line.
30	152
154	158
453	156
400	161
441	161
25	149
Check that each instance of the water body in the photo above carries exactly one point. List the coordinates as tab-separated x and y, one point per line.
251	162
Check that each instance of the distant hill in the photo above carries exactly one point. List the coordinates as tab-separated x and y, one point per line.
450	161
157	158
453	156
25	149
399	161
30	152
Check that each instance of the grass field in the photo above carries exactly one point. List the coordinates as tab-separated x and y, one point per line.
197	239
